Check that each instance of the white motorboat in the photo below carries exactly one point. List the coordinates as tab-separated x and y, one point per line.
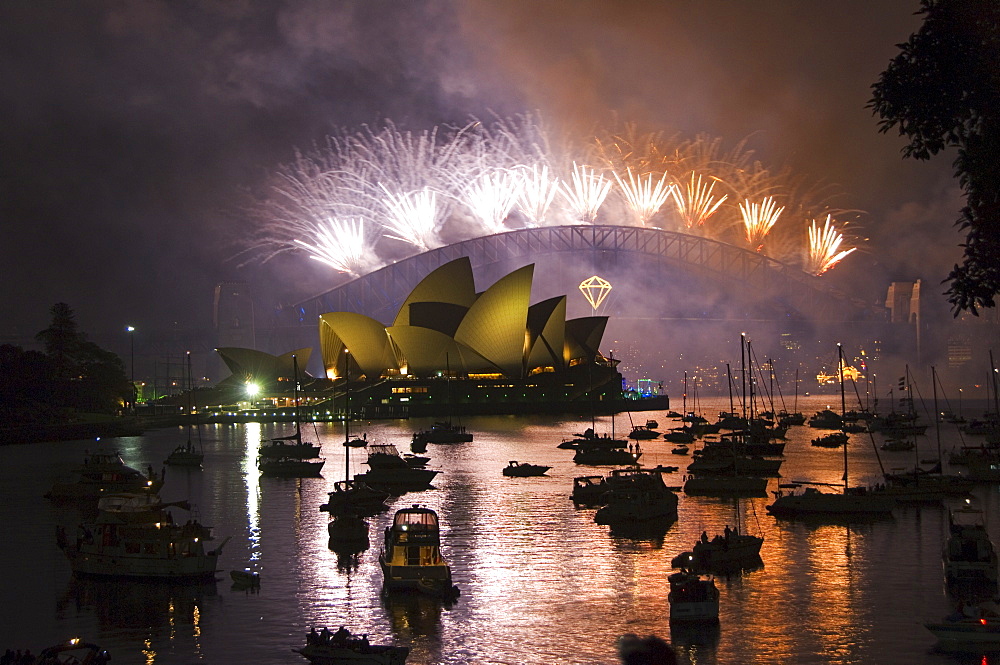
135	535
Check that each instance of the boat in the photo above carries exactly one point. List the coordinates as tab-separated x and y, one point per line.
187	454
969	555
135	536
348	533
601	455
344	648
721	459
389	471
652	424
693	597
851	501
295	465
976	626
725	485
833	440
826	419
290	467
411	558
679	435
245	578
731	550
355	496
523	469
642	432
680	450
896	445
290	446
442	432
103	472
636	496
73	652
589	490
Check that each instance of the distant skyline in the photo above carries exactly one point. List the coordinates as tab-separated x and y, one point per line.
137	133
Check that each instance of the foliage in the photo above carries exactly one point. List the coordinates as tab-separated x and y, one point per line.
943	91
73	374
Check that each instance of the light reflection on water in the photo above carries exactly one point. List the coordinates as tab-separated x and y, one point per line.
540	581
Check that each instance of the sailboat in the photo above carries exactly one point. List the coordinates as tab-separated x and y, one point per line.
291	466
850	501
442	431
351	498
187	454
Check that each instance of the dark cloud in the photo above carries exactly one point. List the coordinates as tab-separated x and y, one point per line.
133	131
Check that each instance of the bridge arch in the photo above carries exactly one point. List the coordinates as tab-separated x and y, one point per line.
768	287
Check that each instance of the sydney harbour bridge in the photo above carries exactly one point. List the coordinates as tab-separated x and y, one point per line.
671	292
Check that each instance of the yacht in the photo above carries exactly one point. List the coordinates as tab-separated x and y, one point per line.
411	558
104	473
388	470
637	495
135	535
969	555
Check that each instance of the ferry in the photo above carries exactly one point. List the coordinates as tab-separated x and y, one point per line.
135	536
411	559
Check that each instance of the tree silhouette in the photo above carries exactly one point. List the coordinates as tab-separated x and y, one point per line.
943	91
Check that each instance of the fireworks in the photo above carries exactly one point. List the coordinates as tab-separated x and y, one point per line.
644	198
412	217
823	246
537	192
341	244
696	203
587	193
758	218
491	196
335	203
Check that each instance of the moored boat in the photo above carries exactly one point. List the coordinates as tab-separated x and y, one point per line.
411	558
969	555
134	535
589	490
523	469
442	432
637	496
834	440
245	578
971	626
693	597
730	550
290	467
103	473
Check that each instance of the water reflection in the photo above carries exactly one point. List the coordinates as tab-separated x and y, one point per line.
251	476
160	614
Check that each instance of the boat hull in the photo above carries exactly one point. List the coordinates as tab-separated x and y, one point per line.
372	655
116	565
819	503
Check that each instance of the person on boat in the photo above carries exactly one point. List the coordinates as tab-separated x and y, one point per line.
704	537
727	532
341	636
325	635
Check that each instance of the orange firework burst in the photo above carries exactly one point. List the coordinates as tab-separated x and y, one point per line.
758	218
823	246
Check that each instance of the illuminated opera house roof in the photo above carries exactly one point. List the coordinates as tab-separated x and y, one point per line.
444	325
249	365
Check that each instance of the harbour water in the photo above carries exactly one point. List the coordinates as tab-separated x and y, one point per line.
540	582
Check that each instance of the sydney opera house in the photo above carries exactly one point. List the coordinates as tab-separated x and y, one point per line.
453	350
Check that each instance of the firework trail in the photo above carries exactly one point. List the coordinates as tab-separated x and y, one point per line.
644	198
491	196
823	246
758	218
341	244
537	192
585	196
412	217
696	204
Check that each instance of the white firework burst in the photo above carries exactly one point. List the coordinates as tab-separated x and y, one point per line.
412	217
537	192
492	196
644	198
586	194
758	218
341	244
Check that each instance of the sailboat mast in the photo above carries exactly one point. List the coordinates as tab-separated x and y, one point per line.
993	376
190	389
295	395
937	416
347	414
729	380
843	404
743	372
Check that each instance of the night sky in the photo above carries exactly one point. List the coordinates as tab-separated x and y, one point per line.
134	133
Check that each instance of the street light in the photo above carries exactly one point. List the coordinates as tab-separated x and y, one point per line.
131	343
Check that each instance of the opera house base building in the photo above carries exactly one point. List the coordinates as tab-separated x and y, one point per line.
453	351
